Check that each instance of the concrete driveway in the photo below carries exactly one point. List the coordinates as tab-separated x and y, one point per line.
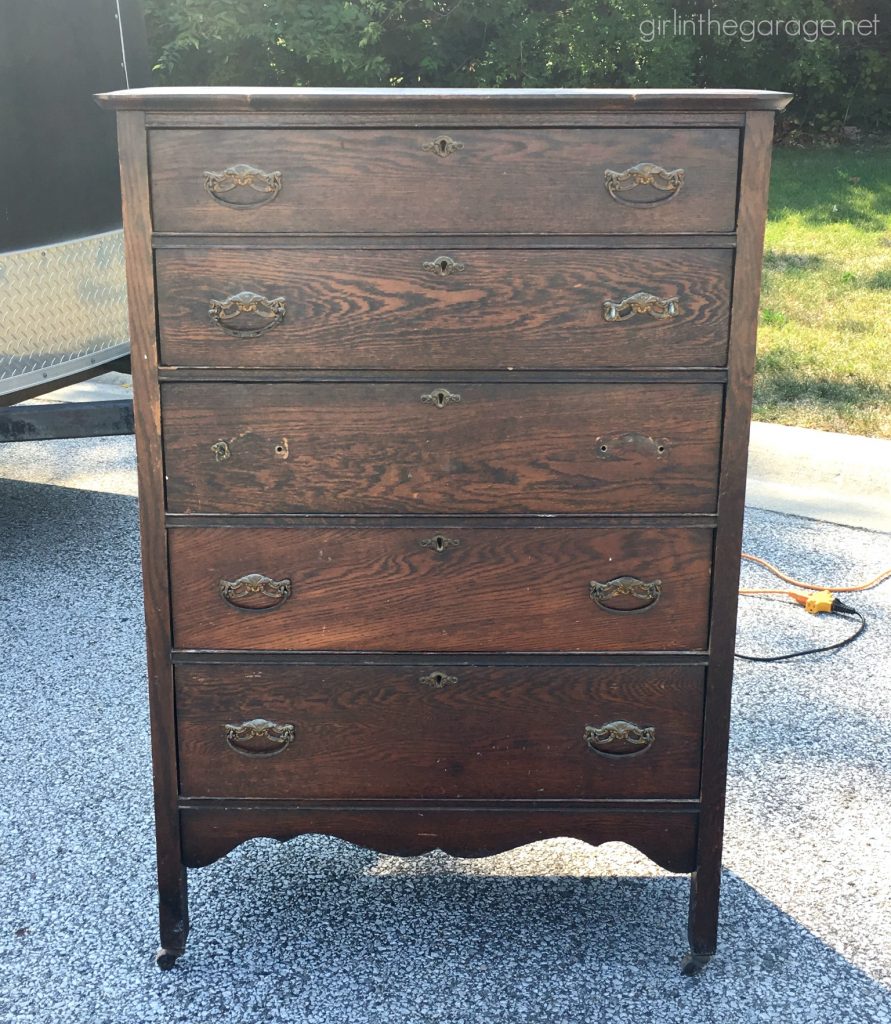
318	931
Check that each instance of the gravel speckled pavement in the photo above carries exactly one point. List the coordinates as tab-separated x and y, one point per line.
316	930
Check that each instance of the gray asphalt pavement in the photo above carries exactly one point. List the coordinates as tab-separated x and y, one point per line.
316	930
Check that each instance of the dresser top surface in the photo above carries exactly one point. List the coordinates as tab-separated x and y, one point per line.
238	99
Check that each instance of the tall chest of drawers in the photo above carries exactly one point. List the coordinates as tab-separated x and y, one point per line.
442	405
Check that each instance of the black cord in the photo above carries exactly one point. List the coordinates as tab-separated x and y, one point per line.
838	608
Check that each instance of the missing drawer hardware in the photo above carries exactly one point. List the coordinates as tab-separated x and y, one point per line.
614	446
619	739
440	398
221	450
438	680
439	543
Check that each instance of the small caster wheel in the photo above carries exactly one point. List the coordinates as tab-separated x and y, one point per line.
166	958
693	963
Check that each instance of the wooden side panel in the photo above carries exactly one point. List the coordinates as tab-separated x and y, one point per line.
538	180
746	287
399	589
442	447
412	309
174	921
415	732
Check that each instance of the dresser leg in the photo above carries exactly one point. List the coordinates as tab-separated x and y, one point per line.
173	907
702	925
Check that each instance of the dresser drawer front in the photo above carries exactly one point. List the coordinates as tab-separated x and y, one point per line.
452	589
397	181
441	446
443	308
412	731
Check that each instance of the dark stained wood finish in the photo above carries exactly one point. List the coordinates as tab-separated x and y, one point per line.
172	891
666	837
380	589
508	606
507	309
382	732
503	181
346	448
705	889
399	101
277	240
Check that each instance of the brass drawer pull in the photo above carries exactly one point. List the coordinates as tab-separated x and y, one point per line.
614	446
442	145
438	680
440	398
626	587
444	266
226	313
225	186
619	739
255	592
273	738
653	175
439	543
637	305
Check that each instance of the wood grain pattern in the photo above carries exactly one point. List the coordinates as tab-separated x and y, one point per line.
380	589
506	309
366	732
666	837
376	448
535	180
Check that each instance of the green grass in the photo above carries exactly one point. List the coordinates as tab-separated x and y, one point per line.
824	336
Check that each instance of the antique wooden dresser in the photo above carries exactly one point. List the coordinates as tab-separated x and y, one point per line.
442	405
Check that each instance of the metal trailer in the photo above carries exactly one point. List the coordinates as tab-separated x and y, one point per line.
63	300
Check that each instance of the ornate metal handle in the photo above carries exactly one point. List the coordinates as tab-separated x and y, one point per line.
619	739
444	266
614	446
442	145
262	313
625	589
670	182
255	592
638	304
227	187
440	397
258	737
438	680
439	543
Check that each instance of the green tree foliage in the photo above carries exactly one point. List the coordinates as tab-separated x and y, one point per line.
549	43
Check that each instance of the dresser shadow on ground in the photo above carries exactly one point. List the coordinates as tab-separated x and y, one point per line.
515	937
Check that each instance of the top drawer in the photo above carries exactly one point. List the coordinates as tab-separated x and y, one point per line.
561	181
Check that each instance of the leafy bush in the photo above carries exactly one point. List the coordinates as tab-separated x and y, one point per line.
549	43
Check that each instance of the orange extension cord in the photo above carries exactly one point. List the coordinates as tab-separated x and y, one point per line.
821	599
